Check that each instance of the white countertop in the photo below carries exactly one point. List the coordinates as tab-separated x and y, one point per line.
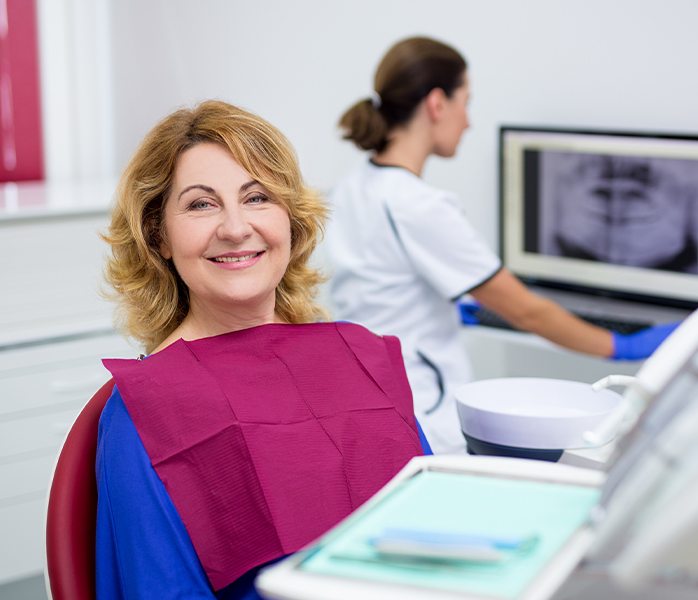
51	260
39	199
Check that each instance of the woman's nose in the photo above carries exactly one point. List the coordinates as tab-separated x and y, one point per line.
234	226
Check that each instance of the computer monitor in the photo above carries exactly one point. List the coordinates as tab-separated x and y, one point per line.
604	212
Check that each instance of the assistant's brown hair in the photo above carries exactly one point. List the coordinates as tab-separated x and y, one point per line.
153	299
408	72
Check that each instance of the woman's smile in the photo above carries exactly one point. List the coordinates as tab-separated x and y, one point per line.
238	260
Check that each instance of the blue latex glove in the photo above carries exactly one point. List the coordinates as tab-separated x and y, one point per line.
467	310
639	345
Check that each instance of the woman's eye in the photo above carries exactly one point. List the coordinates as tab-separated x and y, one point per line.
257	199
200	204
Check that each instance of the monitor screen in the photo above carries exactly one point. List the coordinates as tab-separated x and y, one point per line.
613	213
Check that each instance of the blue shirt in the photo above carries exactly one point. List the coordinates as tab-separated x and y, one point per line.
143	549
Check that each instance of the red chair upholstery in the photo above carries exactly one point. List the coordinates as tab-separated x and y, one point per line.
71	517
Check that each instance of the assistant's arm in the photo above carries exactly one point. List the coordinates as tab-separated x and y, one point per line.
506	295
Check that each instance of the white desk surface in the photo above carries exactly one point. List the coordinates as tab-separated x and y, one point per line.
37	199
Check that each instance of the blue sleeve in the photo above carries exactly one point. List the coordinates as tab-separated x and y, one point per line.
143	549
423	439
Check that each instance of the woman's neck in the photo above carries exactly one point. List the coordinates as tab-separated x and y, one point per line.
202	322
409	147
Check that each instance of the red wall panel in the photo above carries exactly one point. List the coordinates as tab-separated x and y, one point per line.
21	150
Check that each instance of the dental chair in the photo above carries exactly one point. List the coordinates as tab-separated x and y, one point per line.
71	517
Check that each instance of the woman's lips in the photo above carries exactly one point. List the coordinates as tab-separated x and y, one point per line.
238	260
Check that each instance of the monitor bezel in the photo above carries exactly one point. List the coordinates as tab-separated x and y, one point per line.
599	291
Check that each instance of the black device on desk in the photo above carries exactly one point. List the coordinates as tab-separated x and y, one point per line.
489	318
605	223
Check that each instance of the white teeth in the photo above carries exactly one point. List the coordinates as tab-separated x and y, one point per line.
231	259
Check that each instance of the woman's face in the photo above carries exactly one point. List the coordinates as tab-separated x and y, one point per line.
230	241
453	122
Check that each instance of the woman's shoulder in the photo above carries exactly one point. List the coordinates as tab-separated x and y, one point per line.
111	410
371	184
402	187
121	460
356	334
354	326
116	429
414	196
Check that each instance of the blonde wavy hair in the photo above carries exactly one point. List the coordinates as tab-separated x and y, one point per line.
153	300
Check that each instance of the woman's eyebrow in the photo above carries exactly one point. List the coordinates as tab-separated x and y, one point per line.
200	186
246	186
209	190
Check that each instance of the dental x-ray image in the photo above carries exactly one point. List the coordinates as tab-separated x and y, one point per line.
626	210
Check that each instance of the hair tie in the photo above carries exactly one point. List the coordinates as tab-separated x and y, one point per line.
375	100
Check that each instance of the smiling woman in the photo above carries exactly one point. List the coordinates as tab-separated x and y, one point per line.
251	428
229	241
170	172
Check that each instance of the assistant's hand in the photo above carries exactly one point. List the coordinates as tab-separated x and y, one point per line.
467	309
636	346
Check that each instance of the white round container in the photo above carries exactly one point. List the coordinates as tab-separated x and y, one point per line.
531	412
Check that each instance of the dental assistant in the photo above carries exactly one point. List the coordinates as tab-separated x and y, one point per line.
402	251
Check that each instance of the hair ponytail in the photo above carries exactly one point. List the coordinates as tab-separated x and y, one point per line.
407	73
364	125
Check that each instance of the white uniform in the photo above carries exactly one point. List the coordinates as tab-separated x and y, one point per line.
401	252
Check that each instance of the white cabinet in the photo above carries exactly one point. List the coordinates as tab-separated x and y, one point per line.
51	271
42	389
54	329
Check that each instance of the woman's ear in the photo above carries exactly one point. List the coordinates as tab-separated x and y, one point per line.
165	250
434	103
164	246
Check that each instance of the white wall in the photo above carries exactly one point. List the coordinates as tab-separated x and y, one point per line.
300	63
76	78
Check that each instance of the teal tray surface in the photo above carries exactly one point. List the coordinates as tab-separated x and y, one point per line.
459	503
